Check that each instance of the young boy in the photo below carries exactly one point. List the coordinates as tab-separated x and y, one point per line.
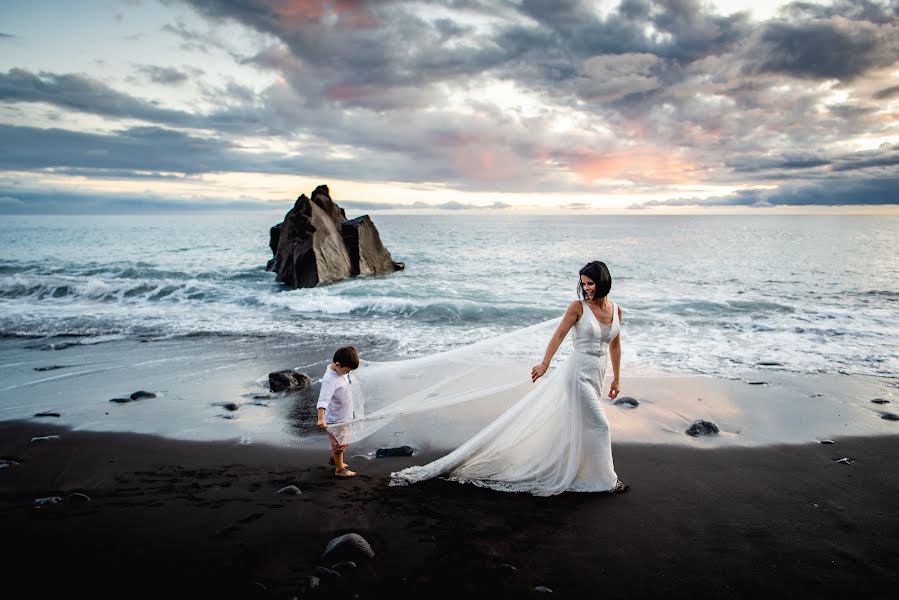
335	403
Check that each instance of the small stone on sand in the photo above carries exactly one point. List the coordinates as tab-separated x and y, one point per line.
41	438
844	461
290	490
348	546
47	500
627	401
700	427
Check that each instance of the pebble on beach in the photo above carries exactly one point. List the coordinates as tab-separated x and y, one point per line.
290	490
627	401
47	500
349	546
343	567
41	438
399	451
701	427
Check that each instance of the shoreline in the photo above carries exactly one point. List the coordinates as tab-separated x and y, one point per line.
204	519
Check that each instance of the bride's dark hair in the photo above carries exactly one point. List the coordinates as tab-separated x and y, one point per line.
599	273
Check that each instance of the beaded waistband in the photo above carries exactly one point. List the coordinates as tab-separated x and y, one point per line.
591	351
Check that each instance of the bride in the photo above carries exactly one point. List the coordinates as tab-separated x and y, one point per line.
556	437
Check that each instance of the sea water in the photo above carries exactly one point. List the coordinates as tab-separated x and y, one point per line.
712	295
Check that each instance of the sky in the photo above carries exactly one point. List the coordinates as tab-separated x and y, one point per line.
630	106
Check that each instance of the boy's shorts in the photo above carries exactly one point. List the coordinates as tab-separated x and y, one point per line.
333	440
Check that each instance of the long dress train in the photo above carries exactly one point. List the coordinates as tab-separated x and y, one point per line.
555	439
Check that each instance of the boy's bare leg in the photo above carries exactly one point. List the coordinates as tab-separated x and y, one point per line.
340	467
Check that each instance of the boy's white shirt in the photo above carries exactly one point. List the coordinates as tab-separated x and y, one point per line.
335	397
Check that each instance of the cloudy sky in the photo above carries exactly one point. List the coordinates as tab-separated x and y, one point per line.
608	105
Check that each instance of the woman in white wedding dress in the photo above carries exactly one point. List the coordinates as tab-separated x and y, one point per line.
556	438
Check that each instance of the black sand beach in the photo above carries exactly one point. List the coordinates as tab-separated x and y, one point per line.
204	520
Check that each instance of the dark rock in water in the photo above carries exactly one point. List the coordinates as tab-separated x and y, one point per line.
400	451
543	589
627	401
343	567
880	401
311	245
121	400
232	406
326	573
828	442
756	383
700	427
281	381
889	416
140	395
769	364
290	490
78	498
47	414
349	546
49	368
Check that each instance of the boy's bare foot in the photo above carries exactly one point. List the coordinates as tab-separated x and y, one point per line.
331	462
345	472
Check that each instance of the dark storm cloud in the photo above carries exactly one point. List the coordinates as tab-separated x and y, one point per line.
82	93
835	192
66	202
856	10
884	157
825	49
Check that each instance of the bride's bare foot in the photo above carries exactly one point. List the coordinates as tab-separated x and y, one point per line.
620	487
345	472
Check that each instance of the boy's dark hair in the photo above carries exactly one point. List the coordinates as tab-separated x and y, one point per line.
347	357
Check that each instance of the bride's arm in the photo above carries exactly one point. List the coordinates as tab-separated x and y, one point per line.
575	309
615	352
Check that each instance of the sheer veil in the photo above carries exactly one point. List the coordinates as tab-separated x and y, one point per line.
439	401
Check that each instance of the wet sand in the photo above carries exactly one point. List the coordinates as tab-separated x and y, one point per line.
183	519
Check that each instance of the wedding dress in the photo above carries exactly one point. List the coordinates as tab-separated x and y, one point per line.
554	439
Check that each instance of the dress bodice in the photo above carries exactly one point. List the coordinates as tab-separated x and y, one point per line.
592	337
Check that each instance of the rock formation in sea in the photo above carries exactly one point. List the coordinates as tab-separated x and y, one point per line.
317	244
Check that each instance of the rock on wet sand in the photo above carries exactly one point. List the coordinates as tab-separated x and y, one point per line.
701	427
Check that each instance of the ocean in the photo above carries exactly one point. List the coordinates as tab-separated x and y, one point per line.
712	295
